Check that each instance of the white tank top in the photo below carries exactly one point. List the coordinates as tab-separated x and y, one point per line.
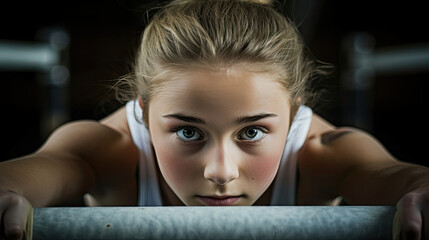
284	182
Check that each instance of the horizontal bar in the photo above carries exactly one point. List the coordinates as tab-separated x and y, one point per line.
395	59
255	222
27	56
401	59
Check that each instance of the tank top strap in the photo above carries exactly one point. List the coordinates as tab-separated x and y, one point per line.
149	194
285	182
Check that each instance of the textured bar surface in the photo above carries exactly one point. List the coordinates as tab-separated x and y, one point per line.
344	222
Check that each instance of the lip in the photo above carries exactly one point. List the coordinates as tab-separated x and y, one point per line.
219	200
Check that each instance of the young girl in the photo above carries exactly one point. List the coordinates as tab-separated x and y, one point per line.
216	116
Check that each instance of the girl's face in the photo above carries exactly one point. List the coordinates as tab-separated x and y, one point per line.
219	135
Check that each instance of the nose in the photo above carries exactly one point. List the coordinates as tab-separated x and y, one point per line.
221	166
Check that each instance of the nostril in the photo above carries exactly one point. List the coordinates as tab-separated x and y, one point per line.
220	181
220	178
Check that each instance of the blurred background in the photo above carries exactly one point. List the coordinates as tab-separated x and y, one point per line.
74	50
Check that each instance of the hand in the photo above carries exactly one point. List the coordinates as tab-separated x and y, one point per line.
412	216
14	211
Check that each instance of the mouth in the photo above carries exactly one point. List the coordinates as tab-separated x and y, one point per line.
219	200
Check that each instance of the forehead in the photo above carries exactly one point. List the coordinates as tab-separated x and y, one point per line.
222	92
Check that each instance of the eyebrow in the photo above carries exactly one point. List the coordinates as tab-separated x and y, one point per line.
185	118
254	118
240	120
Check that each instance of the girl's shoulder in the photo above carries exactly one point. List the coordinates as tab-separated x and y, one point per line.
91	139
106	144
114	158
324	140
329	154
117	121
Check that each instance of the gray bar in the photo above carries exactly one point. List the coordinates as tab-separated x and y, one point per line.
343	222
396	59
27	56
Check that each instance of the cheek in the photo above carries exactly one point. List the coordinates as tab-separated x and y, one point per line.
258	173
263	169
176	169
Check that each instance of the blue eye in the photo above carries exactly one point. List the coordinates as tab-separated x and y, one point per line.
251	134
189	134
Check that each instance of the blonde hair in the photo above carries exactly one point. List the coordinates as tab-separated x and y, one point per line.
214	33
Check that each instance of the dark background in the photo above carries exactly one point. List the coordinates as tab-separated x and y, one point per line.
104	36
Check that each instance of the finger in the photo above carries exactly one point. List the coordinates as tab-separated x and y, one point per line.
2	208
396	227
90	201
411	223
15	220
2	236
426	223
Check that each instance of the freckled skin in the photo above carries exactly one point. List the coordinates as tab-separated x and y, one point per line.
222	163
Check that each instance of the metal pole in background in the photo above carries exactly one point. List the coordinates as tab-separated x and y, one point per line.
48	58
247	222
357	81
56	110
363	63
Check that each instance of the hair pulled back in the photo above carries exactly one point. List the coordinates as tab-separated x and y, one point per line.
216	33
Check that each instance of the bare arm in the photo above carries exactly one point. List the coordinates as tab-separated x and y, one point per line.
352	164
79	157
46	181
52	175
61	170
